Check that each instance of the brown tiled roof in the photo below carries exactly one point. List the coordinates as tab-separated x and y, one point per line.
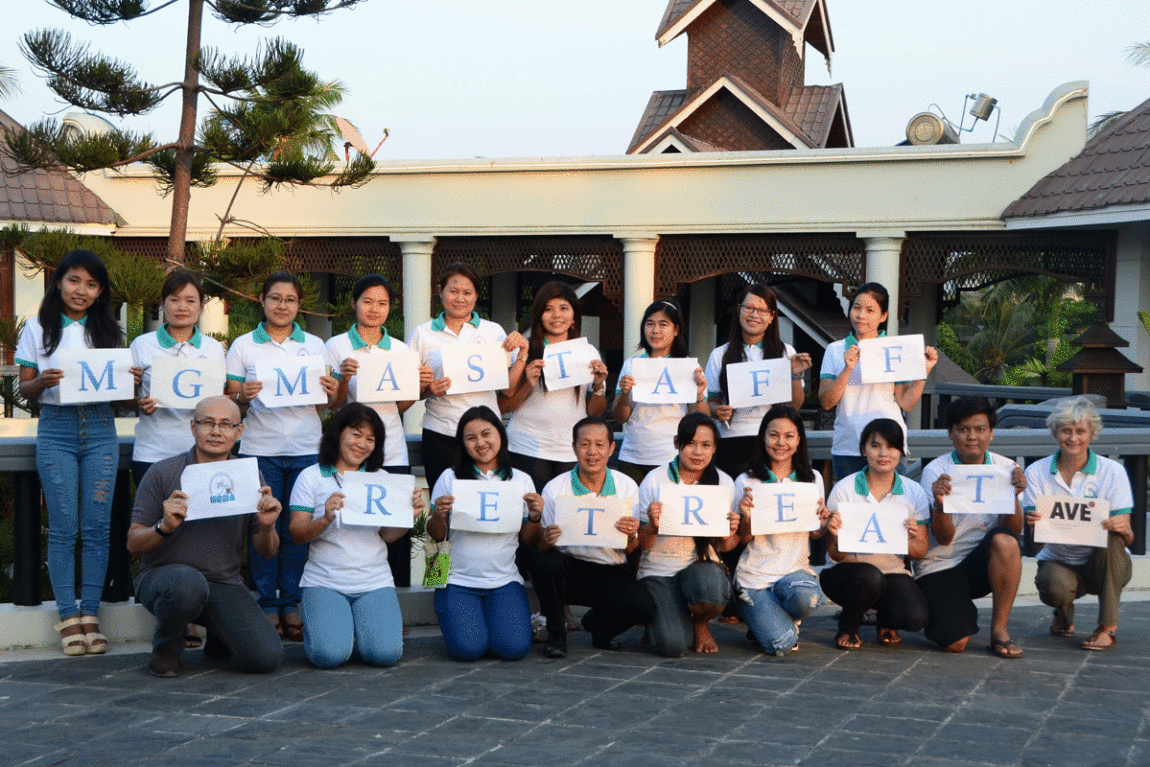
799	11
813	108
1113	169
661	106
676	9
51	196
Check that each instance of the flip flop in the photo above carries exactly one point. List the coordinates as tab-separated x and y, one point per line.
191	638
1095	643
889	637
848	640
1059	627
1004	648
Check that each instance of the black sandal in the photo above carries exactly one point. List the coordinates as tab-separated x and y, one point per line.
848	640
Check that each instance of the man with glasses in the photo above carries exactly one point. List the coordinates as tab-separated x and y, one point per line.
190	570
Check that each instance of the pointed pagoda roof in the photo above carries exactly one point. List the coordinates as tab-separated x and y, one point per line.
806	20
41	196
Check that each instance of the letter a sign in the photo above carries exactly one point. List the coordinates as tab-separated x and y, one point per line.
873	528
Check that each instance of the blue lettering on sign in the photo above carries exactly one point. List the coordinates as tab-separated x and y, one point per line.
590	518
282	381
562	367
755	379
195	388
470	363
790	505
889	351
665	377
484	505
692	505
374	502
86	375
388	375
872	526
978	486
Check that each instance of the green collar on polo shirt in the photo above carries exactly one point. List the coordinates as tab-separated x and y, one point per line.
331	471
1091	466
499	473
851	340
260	334
66	320
440	322
863	489
578	488
957	461
167	342
771	477
357	341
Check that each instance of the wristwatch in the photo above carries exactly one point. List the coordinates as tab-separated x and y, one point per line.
160	532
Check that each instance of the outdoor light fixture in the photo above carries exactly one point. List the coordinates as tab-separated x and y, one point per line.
983	107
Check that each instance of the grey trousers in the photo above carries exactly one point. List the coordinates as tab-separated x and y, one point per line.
672	631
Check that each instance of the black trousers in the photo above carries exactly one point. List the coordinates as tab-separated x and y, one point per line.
859	586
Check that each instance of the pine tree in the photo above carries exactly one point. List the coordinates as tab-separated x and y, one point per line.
267	121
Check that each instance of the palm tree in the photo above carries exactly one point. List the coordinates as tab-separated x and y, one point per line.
1139	56
9	85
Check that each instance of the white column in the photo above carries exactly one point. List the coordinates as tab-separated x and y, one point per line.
214	319
1131	293
503	300
638	286
417	281
702	320
882	266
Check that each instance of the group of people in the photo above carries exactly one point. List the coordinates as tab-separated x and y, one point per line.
332	584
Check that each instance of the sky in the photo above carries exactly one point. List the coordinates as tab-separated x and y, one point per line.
513	78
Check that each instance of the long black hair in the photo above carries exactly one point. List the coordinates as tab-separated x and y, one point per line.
100	328
465	469
685	434
760	463
773	347
549	292
352	415
675	315
276	278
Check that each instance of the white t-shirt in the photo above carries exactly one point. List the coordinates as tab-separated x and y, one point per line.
336	350
745	420
670	553
905	493
30	351
166	432
861	403
1099	478
482	560
351	559
969	529
649	434
541	426
441	414
767	558
274	431
617	483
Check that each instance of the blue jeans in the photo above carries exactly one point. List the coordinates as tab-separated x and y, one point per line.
336	624
771	613
276	578
475	621
178	595
77	454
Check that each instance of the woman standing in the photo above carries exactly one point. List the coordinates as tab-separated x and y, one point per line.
542	417
649	430
683	575
458	324
76	447
777	586
858	582
283	439
841	382
483	608
754	337
349	600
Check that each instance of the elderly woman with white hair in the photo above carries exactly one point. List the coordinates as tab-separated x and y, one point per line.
1067	572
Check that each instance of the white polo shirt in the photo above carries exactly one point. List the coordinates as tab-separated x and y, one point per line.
351	559
274	431
541	426
568	484
745	420
483	560
670	553
30	351
861	403
166	432
767	558
1099	478
969	529
336	350
441	414
649	434
853	489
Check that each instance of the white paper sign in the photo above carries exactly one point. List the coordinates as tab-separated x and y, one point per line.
487	507
873	528
766	382
567	364
475	368
589	520
221	488
387	376
892	359
695	510
94	375
664	380
979	489
1069	520
785	507
377	500
180	382
291	381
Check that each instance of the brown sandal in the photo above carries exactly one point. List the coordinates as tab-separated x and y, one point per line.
848	640
1096	643
1059	627
889	637
292	629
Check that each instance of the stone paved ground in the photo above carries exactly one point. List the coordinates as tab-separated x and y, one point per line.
908	705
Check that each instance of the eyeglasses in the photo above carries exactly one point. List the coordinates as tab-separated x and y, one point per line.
754	311
282	300
211	425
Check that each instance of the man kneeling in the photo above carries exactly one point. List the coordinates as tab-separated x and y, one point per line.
190	570
971	555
